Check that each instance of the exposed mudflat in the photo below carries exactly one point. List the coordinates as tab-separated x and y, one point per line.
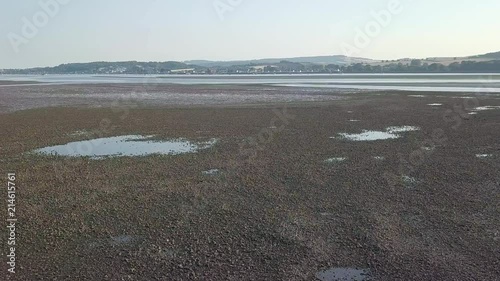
261	203
22	97
17	83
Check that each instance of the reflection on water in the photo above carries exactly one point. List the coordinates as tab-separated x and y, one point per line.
132	145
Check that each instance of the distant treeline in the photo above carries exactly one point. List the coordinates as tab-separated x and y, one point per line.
415	66
418	66
172	67
128	67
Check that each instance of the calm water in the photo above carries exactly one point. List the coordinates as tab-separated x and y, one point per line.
132	145
335	160
389	133
341	274
413	82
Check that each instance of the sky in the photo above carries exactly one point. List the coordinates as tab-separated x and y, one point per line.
51	32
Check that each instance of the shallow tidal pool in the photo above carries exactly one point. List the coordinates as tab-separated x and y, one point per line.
389	133
120	146
337	274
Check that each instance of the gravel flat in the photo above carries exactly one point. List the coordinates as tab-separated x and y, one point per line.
424	206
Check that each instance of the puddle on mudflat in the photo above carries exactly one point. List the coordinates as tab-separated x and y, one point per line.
369	136
484	108
122	239
79	133
482	156
390	133
211	172
338	274
435	104
335	160
114	241
417	96
472	113
402	129
409	181
132	145
354	120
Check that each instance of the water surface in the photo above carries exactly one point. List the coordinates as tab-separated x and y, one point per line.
335	160
442	82
389	133
131	145
341	274
211	172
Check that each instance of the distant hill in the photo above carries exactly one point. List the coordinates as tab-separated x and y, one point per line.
194	66
338	59
320	64
495	56
443	60
126	67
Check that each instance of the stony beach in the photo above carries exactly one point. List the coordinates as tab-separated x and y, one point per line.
283	193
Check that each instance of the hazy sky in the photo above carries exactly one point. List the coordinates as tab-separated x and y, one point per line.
161	30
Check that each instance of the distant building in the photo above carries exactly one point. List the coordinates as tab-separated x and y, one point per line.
182	71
